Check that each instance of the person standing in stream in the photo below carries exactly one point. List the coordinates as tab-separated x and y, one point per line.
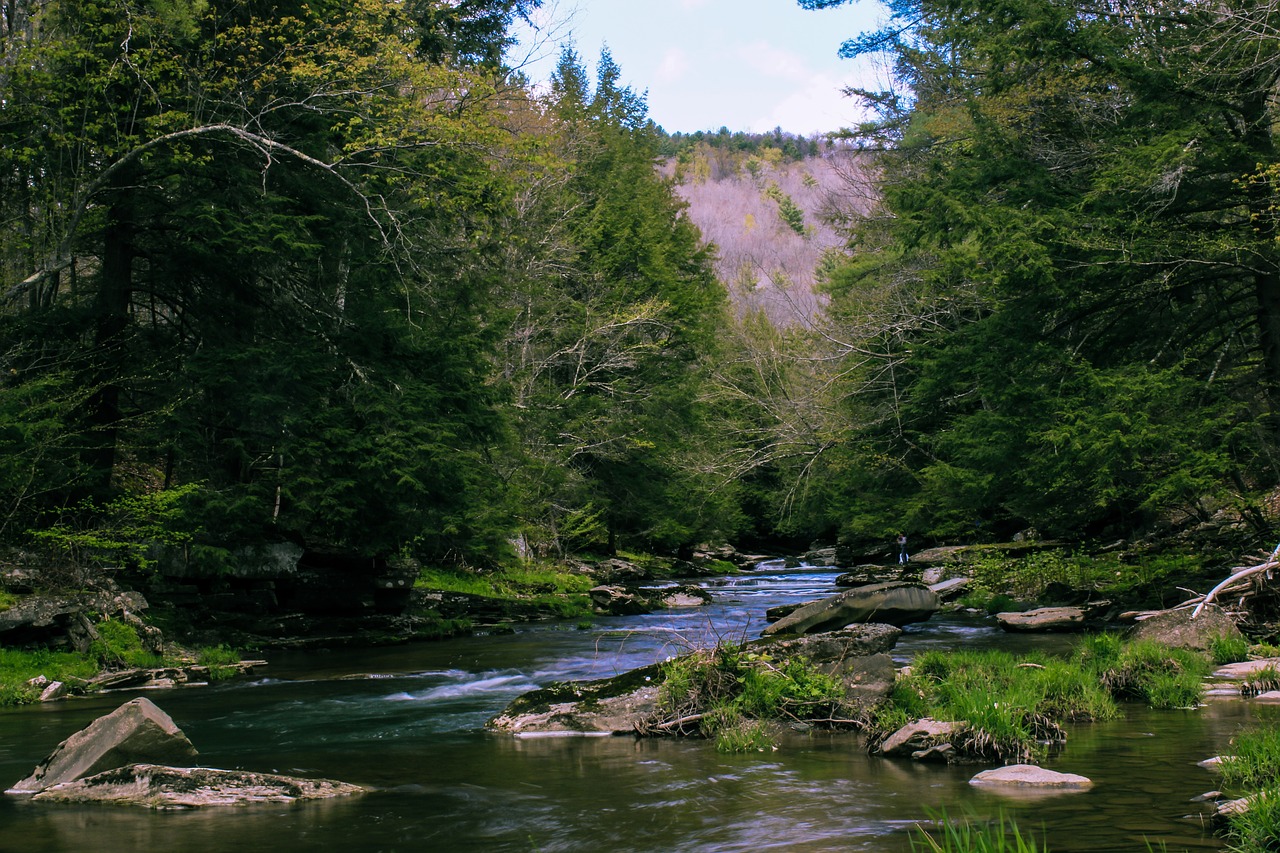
902	549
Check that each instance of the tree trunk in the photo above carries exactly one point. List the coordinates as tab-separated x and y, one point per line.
111	320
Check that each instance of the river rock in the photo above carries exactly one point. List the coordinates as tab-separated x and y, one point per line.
603	707
1176	628
773	614
1043	619
856	656
951	589
161	787
683	595
1031	776
890	603
920	736
137	731
618	600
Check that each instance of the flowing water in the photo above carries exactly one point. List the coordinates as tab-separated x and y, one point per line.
408	723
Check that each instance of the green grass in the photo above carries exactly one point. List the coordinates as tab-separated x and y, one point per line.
560	593
1253	770
1027	576
221	661
1144	670
118	644
1014	707
18	666
1225	650
972	836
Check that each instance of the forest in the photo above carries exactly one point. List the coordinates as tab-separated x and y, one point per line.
333	274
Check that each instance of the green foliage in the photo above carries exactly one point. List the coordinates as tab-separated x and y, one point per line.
974	836
118	644
1011	705
18	666
1161	676
789	212
123	531
1254	762
221	661
1226	649
1258	829
1026	340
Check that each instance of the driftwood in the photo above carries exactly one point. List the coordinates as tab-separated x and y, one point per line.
1245	580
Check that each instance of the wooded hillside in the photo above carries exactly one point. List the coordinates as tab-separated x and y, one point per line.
330	274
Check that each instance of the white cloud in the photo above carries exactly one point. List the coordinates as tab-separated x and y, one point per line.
673	66
817	107
774	61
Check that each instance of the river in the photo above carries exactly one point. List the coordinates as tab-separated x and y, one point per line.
408	722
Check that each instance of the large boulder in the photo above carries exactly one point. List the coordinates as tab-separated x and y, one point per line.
889	603
1043	619
135	732
187	787
1176	628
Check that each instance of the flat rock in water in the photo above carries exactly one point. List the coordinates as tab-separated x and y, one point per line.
889	603
137	731
1044	619
160	787
1246	669
1030	776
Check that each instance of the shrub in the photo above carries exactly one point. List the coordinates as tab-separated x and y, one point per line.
118	644
732	693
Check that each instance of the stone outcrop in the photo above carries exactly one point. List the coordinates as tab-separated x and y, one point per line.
43	619
1029	776
161	787
890	603
1043	619
1176	628
137	731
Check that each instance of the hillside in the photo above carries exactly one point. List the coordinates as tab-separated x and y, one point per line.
771	218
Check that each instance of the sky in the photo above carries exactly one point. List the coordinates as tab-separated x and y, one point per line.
749	65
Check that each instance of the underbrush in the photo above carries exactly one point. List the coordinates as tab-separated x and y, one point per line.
507	582
1028	576
732	696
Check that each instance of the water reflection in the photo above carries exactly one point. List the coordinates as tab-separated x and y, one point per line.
408	723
